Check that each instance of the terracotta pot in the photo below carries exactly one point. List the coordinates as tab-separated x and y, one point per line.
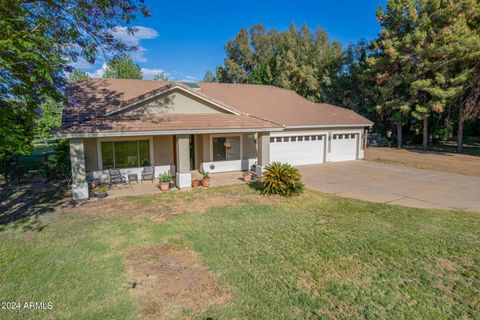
164	186
205	182
195	183
247	177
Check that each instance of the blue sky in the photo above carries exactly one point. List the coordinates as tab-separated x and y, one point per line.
186	38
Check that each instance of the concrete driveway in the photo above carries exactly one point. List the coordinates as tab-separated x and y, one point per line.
378	182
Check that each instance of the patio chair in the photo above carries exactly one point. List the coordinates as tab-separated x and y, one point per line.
148	173
116	176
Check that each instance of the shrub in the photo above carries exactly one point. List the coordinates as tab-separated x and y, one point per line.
282	179
100	189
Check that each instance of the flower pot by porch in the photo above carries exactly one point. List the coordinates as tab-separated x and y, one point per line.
164	186
195	183
101	195
247	177
205	182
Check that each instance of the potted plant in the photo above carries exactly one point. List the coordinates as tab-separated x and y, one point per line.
100	192
205	179
247	176
195	183
164	180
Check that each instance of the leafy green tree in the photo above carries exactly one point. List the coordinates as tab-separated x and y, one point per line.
430	46
16	132
123	67
354	85
50	118
209	77
391	64
161	77
468	106
38	40
292	59
77	75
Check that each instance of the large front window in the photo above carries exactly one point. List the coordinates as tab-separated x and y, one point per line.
226	148
125	154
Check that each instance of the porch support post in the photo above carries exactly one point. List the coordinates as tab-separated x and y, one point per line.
79	178
263	152
183	176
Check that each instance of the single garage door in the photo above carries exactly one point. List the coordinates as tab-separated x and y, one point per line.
297	150
343	147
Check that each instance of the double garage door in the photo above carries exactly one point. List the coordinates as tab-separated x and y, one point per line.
310	149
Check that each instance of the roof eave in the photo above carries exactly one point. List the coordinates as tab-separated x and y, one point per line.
64	135
319	126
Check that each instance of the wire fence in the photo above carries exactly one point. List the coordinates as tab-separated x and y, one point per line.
44	164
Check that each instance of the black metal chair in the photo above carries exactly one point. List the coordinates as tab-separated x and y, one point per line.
116	176
148	173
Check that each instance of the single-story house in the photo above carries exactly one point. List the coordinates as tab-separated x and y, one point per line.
215	127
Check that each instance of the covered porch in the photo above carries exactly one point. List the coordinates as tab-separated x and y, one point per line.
149	188
223	154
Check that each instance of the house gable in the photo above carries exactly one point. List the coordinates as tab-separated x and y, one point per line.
176	101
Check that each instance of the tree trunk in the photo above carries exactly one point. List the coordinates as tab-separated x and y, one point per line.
399	135
460	133
425	133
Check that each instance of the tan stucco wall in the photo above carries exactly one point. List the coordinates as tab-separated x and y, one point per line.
174	102
91	158
163	150
263	148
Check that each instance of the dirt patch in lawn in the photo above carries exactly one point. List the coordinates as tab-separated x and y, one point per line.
163	206
168	281
431	160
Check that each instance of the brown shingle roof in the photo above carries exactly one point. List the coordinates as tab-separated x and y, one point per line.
96	97
279	105
259	107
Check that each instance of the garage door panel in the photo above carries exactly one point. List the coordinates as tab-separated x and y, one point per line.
296	152
343	147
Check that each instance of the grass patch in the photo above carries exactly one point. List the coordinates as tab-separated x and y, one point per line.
469	147
308	257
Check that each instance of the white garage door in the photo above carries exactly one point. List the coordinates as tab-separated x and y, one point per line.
343	147
297	150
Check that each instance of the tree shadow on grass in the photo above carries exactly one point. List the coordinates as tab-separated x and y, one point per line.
22	205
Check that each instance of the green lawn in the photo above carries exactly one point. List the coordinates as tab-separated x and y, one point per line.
312	257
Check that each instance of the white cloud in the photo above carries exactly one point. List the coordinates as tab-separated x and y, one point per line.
149	74
99	72
141	33
121	33
81	63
